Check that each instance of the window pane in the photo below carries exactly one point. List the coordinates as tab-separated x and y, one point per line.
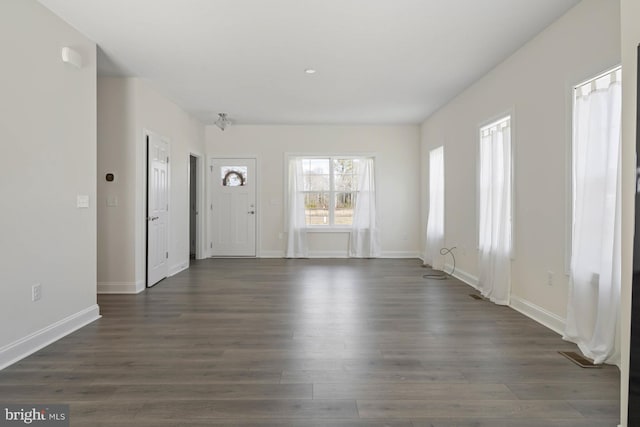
316	183
316	174
345	203
317	208
343	165
316	166
233	176
345	174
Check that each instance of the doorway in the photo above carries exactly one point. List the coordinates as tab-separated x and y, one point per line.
193	207
233	207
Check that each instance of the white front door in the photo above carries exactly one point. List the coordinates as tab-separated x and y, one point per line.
233	207
157	209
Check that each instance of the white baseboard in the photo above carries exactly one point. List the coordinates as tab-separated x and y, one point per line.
17	350
328	254
271	254
462	275
120	287
341	254
400	254
539	314
141	285
178	268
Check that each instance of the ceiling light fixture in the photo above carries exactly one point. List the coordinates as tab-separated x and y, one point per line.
223	122
310	71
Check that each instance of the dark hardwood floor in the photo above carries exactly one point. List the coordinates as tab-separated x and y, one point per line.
350	343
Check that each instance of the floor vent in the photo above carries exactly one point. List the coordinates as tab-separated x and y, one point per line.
476	296
579	359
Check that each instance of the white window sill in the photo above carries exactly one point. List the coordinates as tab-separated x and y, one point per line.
328	229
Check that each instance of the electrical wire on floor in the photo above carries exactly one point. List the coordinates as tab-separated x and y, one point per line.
442	275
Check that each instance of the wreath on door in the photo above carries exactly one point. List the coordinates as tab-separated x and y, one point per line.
229	175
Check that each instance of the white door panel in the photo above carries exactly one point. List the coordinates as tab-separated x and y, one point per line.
233	207
157	210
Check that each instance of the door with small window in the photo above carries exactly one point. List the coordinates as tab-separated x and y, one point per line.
233	207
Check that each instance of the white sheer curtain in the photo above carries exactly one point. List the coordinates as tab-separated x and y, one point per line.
495	211
435	220
364	241
594	282
297	231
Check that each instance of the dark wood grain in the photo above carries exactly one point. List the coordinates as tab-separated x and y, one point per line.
339	343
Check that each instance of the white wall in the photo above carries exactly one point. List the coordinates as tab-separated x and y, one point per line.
117	155
127	108
48	134
534	84
397	171
630	13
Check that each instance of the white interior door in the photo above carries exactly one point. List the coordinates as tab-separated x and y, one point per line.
157	209
233	207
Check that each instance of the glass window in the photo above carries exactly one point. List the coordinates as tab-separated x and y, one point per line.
331	190
233	176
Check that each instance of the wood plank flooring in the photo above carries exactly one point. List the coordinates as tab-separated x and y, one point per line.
348	343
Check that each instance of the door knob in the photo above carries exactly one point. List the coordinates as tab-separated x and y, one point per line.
251	212
152	218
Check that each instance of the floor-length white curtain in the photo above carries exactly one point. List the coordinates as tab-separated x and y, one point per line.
495	212
435	220
297	227
364	240
594	282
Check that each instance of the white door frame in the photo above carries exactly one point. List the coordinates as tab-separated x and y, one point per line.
258	199
201	170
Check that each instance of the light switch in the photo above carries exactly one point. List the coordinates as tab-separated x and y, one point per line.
112	201
83	201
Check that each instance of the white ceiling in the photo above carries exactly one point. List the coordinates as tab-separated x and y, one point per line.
377	61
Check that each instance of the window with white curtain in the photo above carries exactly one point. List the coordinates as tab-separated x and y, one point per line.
330	190
332	193
594	277
495	211
435	219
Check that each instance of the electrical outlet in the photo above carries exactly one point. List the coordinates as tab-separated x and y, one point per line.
36	292
550	278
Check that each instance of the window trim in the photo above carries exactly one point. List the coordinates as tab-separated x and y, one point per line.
316	155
